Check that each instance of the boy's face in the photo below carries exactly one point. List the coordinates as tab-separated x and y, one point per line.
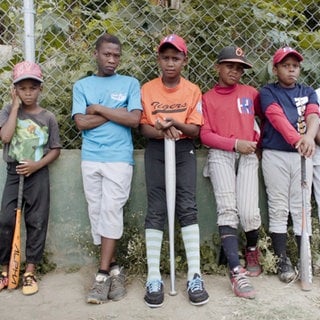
171	62
229	73
108	58
28	91
287	71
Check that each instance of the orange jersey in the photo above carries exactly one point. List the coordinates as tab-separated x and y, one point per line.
182	103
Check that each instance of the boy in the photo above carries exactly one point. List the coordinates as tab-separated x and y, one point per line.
292	121
231	133
30	138
171	109
105	108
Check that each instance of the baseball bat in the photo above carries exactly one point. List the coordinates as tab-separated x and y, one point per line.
305	252
15	258
170	179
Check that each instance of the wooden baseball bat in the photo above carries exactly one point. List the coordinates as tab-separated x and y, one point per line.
305	252
170	176
15	258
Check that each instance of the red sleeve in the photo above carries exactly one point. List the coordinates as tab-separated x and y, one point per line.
312	108
279	121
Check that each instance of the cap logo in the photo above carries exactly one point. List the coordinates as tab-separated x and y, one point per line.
239	52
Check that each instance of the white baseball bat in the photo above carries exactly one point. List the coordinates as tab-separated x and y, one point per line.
170	176
305	252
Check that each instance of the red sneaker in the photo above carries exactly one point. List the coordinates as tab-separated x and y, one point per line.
252	262
240	283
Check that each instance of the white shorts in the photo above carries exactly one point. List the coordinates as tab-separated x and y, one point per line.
107	189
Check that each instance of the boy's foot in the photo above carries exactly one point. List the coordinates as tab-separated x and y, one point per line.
240	283
100	289
117	287
286	273
154	294
253	266
196	291
29	284
3	280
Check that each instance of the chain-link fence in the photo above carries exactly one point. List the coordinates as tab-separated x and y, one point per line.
65	32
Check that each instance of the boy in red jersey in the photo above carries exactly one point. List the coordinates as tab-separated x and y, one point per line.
171	109
231	133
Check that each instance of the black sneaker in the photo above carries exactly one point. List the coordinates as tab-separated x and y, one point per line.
154	294
196	291
286	273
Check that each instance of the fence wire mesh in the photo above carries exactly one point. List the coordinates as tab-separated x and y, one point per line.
66	30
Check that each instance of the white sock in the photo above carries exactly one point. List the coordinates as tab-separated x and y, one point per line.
153	245
191	240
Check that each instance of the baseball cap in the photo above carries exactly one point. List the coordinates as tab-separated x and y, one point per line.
176	41
233	54
27	70
281	53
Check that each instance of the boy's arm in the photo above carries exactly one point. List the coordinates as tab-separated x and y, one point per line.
8	128
119	115
86	121
28	167
279	121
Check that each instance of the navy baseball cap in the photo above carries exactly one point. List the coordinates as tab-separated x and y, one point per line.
233	54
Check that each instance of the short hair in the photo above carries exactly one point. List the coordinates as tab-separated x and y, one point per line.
107	38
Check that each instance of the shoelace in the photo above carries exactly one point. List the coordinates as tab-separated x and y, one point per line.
242	281
154	286
195	285
28	280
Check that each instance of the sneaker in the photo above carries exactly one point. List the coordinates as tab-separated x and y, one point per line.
253	266
29	284
154	294
117	289
100	289
286	273
4	280
196	291
240	283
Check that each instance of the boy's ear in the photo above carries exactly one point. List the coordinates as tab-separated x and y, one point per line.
274	70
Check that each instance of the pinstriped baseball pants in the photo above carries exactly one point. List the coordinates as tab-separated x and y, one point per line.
235	183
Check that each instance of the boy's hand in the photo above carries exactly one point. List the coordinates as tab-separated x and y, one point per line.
16	101
246	147
27	167
167	127
306	146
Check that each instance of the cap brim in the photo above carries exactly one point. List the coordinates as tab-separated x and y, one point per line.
245	64
27	77
172	45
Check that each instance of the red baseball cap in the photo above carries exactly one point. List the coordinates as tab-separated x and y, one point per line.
281	53
176	41
27	70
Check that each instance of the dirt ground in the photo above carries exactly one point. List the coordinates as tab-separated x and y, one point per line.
62	297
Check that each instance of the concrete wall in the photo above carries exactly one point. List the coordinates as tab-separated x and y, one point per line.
69	224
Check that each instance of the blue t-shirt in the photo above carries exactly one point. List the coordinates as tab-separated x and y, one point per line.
109	142
293	101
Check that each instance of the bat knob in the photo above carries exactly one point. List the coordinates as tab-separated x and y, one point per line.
173	293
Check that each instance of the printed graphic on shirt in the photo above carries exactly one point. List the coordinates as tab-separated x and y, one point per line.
301	103
28	141
159	107
245	105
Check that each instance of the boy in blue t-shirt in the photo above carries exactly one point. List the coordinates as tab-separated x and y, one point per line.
292	121
105	108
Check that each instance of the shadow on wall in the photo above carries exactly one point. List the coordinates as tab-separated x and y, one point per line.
69	223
